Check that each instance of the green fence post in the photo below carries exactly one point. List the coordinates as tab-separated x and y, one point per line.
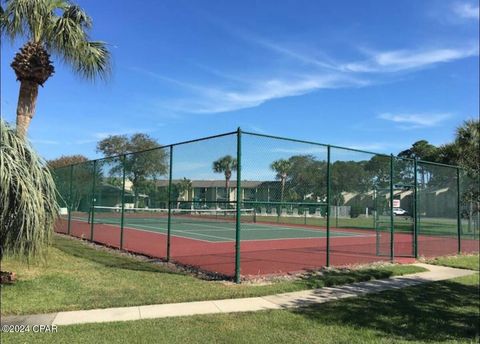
328	205
169	220
336	213
70	197
122	216
375	226
459	219
92	217
415	210
239	206
391	210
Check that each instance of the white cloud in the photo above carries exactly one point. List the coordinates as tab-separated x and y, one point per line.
305	58
379	62
415	120
221	74
316	74
400	60
215	100
466	10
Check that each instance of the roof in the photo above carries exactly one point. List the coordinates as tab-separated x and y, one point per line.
221	183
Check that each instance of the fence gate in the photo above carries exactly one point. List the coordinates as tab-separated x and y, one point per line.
382	221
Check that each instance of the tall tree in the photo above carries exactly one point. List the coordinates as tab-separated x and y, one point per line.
50	27
378	167
141	168
225	165
422	150
282	168
307	178
66	160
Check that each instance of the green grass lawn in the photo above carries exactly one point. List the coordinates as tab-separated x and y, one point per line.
77	276
441	312
471	262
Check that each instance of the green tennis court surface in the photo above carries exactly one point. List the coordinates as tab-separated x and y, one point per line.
212	226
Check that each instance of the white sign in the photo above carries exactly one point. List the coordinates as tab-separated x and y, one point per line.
396	203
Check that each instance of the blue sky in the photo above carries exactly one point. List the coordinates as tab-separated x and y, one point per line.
375	75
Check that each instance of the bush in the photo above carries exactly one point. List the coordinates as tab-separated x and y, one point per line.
28	207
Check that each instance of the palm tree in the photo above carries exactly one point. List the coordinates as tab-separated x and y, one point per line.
282	168
467	141
51	27
226	165
183	188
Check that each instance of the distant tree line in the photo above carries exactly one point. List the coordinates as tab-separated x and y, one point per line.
301	177
304	176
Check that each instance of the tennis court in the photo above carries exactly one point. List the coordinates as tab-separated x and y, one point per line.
265	248
205	240
301	205
209	225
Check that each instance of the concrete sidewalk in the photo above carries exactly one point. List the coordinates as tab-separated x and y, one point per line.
279	301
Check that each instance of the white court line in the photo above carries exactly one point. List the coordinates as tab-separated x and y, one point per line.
285	238
157	230
205	235
163	231
268	227
279	228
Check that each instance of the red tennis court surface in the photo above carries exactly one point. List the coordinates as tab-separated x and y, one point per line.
266	257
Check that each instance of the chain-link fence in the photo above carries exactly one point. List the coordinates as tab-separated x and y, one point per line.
360	183
469	212
84	178
438	202
62	178
245	204
284	184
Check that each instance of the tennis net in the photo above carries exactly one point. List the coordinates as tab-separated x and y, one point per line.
111	215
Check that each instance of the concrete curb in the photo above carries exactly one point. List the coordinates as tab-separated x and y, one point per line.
252	304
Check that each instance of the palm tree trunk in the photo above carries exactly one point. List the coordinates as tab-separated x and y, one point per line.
227	186
27	100
283	190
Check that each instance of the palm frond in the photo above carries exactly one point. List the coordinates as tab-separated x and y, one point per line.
68	40
29	18
93	61
27	196
62	28
3	20
78	16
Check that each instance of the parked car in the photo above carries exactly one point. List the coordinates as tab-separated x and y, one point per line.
399	212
